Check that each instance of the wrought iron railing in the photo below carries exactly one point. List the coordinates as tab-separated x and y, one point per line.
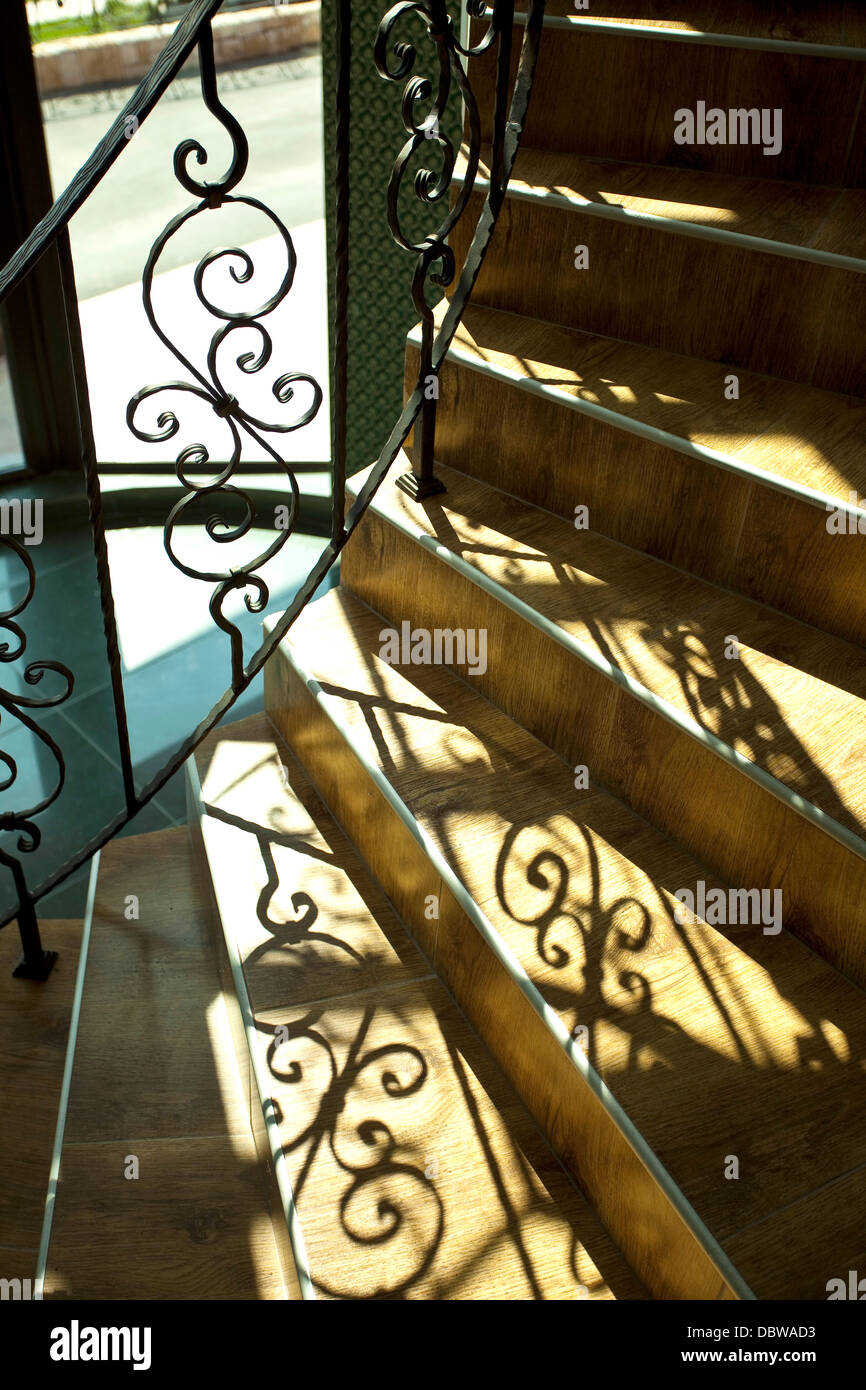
424	103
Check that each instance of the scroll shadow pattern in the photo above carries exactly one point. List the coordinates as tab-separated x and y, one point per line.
374	1207
625	922
210	387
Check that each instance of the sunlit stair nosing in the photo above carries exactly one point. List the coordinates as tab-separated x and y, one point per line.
652	433
680	720
724	236
282	1177
66	1084
705	38
616	1114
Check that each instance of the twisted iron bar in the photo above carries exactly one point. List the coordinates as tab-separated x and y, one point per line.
210	387
422	112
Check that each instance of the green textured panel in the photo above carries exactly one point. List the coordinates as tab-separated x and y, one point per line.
380	272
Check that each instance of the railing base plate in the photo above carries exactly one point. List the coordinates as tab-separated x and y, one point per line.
38	969
420	488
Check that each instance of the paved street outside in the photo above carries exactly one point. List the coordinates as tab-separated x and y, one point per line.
279	107
43	11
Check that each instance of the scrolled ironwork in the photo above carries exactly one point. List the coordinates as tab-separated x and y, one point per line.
21	822
208	385
424	104
17	705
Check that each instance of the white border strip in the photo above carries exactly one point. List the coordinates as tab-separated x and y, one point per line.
698	231
510	963
260	1072
63	1104
845	837
703	37
652	433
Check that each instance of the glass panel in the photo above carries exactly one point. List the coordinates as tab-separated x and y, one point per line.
176	661
46	522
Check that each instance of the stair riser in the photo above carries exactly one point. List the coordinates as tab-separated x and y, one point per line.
655	1240
772	547
585	82
727	820
728	304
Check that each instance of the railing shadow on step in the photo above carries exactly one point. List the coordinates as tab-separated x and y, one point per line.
588	906
423	106
671	403
726	698
388	1193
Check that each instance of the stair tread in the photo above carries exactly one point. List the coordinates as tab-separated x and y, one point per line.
795	214
498	1218
794	703
154	1075
839	22
34	1026
273	845
754	1044
802	434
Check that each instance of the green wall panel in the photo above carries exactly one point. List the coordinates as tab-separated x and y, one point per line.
380	272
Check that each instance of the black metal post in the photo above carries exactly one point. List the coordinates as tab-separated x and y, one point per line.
36	963
422	482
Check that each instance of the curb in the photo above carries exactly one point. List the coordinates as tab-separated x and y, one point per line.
123	57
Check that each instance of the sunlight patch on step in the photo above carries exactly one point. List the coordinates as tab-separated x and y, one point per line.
226	1067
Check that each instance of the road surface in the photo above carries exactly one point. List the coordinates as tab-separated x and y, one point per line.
280	109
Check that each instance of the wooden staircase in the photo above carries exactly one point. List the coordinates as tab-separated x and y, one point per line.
641	458
400	1154
483	1051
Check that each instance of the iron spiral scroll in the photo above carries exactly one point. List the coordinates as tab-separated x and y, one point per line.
21	823
424	105
208	386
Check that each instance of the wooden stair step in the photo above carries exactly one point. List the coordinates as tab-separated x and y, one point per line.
34	1027
712	1039
155	1077
795	215
651	77
509	377
625	671
744	271
794	702
802	435
833	22
387	1101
